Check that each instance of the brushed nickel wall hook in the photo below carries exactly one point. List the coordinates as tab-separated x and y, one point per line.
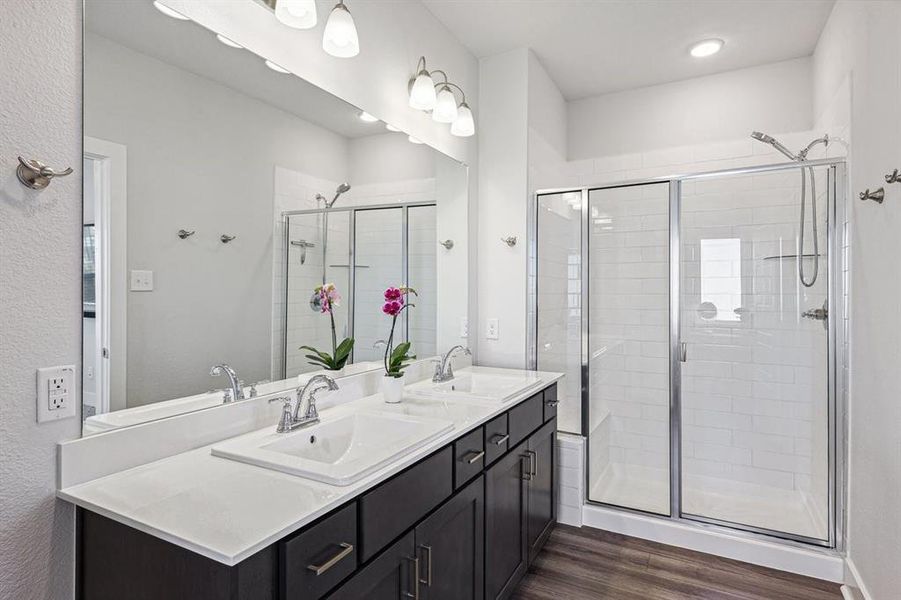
36	175
878	195
185	234
225	238
448	244
510	240
893	177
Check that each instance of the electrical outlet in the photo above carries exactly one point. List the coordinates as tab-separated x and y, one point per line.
141	281
57	394
464	327
491	331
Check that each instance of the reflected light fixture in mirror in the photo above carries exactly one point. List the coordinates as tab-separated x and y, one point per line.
391	128
340	36
298	14
227	41
276	68
367	118
707	48
414	140
168	11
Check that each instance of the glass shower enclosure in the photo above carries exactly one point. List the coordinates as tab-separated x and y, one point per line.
705	374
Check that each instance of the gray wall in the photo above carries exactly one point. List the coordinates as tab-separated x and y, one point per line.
40	287
201	156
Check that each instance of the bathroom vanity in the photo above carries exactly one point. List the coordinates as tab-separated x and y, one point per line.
462	517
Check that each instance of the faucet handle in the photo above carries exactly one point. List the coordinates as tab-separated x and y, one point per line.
286	418
227	396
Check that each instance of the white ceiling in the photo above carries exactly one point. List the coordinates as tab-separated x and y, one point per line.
185	44
592	47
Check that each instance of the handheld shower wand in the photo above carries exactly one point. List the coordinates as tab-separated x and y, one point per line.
327	204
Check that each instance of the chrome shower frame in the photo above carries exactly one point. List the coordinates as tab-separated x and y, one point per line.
838	245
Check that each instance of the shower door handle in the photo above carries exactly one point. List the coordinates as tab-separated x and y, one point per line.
683	352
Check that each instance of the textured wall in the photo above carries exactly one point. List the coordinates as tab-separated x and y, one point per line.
40	286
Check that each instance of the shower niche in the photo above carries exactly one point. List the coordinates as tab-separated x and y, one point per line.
705	374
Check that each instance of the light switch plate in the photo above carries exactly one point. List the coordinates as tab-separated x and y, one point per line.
491	331
57	393
141	281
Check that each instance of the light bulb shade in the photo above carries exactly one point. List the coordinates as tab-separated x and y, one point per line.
464	125
445	110
299	14
422	93
340	36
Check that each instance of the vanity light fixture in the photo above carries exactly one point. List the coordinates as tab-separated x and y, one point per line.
391	128
227	41
297	14
439	98
422	88
169	12
367	118
340	36
464	125
707	47
445	110
276	68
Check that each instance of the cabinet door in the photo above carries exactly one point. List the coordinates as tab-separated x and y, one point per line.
451	546
541	504
506	550
392	575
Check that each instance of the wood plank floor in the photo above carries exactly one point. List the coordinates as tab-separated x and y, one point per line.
583	564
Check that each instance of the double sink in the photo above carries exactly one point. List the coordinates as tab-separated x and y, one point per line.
345	447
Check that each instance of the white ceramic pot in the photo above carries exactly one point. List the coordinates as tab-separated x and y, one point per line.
393	388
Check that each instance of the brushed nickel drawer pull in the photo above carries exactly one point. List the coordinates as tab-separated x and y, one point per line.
346	550
415	561
499	438
528	474
533	462
475	455
552	403
428	565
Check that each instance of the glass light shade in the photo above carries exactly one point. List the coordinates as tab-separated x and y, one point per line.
299	14
367	118
391	127
445	106
169	12
340	36
422	94
227	41
275	67
464	125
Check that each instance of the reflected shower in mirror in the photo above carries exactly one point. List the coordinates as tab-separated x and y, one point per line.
241	216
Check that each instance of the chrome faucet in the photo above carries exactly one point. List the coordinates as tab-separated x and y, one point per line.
237	388
291	417
443	369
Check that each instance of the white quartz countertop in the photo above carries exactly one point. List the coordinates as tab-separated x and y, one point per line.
228	510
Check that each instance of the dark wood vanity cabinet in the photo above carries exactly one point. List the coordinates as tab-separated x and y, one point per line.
463	523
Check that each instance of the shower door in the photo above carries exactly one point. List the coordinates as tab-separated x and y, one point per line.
754	353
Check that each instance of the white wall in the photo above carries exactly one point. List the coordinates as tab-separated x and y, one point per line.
40	250
858	52
164	115
775	97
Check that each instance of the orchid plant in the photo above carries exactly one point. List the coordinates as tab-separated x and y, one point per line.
326	298
397	358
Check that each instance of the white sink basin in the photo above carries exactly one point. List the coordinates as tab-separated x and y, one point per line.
477	385
338	451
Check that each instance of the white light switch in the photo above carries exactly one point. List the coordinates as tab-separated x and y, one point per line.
491	331
56	393
142	281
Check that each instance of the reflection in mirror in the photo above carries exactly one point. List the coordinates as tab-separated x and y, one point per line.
220	195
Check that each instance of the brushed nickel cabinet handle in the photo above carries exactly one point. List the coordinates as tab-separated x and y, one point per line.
475	455
552	403
346	550
499	439
414	560
533	462
428	565
527	476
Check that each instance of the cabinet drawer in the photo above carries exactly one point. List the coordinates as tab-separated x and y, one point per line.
525	418
550	403
469	457
317	559
393	507
496	438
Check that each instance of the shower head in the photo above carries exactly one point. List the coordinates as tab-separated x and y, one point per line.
768	139
343	188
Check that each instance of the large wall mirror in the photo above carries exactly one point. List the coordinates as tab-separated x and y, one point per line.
219	193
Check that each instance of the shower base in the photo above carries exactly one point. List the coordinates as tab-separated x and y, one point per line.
647	489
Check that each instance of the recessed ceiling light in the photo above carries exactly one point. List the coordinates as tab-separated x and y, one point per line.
227	41
391	127
365	116
276	68
414	140
707	48
168	11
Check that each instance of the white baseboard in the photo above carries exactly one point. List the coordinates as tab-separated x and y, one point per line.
821	564
854	589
